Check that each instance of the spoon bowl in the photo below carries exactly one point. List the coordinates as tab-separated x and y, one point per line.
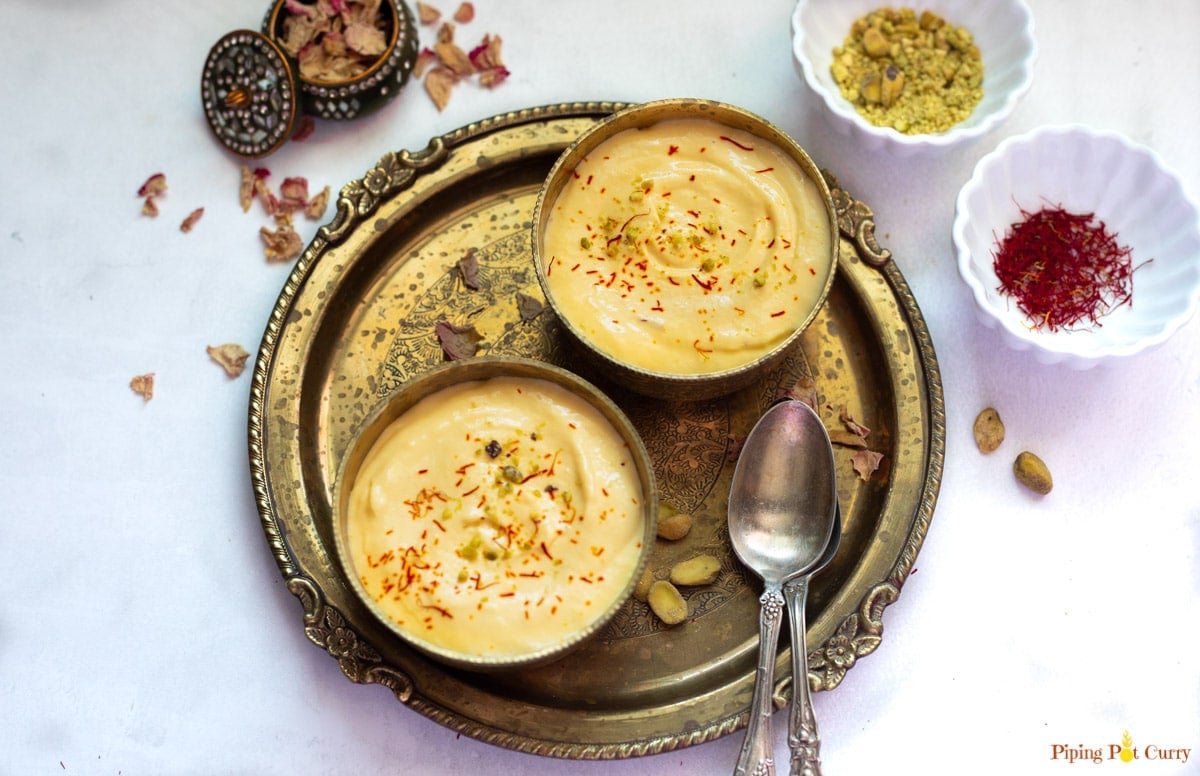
782	508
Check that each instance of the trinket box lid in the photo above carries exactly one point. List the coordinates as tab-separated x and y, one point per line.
250	93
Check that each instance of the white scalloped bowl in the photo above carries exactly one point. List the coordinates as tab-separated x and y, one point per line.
1129	189
1003	30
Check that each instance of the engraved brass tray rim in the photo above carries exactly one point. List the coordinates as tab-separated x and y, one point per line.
328	628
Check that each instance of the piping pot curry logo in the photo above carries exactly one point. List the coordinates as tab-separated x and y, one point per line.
1124	752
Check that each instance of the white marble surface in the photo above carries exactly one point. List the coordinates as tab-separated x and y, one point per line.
144	626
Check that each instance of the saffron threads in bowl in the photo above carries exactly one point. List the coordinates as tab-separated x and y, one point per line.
1063	269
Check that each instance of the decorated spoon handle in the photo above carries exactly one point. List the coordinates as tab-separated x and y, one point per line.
803	740
757	755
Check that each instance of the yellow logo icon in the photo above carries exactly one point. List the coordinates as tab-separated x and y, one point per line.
1126	747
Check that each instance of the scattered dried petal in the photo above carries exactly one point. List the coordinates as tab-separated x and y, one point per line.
191	220
265	196
803	390
438	84
445	33
246	189
454	58
149	207
464	13
156	184
293	194
468	268
427	14
734	449
231	356
844	438
852	425
493	76
486	55
316	206
425	58
457	342
143	385
303	129
528	306
282	244
866	462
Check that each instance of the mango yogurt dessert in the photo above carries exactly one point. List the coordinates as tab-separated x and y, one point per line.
686	247
497	519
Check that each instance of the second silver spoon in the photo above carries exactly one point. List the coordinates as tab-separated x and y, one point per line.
781	509
804	742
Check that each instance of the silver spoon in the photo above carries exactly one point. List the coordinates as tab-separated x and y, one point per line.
804	742
781	509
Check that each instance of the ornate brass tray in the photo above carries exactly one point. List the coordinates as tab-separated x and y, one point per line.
357	317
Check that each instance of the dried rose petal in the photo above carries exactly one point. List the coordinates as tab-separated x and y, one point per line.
282	244
438	84
852	425
468	268
445	33
843	438
191	220
304	129
149	207
528	306
334	40
365	39
464	13
231	356
156	184
293	194
493	76
143	385
246	189
427	13
457	342
300	9
316	206
804	390
486	55
425	58
266	196
734	449
866	462
454	58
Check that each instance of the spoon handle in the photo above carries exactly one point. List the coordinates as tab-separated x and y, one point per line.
803	739
757	755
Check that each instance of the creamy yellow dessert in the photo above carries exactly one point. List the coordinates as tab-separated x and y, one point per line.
687	247
496	518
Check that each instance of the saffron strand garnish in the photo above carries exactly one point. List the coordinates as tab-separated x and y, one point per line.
1064	270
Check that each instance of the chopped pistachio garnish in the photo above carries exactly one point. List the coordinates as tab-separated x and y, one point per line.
915	74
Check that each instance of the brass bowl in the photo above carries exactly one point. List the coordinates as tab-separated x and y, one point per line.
374	87
455	374
644	379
